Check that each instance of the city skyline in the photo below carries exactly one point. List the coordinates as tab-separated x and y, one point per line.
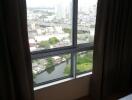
50	26
53	3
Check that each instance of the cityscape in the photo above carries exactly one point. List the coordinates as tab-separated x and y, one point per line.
51	27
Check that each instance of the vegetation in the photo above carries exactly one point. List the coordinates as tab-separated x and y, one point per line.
67	70
44	44
84	67
84	58
50	65
67	30
50	70
84	63
49	62
53	40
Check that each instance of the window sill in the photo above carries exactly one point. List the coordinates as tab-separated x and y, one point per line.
83	75
62	81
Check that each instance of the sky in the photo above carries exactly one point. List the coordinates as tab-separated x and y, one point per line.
52	3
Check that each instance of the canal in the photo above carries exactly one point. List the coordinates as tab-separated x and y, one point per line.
57	72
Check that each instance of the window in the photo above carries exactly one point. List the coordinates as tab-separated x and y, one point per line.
61	35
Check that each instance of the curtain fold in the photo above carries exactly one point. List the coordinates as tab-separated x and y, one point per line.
113	49
15	62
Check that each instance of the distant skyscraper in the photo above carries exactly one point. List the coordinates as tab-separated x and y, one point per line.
60	11
63	10
69	10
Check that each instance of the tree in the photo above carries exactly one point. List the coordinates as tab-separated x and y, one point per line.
44	44
50	70
67	70
49	62
53	40
49	67
67	30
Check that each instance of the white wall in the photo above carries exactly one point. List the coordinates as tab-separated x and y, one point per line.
70	90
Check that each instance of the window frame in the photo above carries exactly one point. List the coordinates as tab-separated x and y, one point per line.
73	49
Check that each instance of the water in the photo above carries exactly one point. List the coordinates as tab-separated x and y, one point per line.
57	72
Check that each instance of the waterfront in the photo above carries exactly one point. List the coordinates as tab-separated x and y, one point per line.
58	72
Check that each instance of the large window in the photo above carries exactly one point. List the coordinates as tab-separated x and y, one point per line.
61	35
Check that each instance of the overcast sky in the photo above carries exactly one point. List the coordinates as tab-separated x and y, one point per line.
51	3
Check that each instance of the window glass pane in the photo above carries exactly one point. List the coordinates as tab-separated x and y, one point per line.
51	68
49	23
86	20
84	61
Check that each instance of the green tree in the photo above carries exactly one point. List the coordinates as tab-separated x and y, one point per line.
44	44
50	70
84	67
84	62
67	30
53	40
49	67
67	70
49	62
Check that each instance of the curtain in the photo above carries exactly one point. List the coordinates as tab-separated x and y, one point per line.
112	68
15	63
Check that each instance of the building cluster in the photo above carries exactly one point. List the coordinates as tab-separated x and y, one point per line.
41	65
46	23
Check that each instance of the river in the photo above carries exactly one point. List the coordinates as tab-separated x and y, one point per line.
57	72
